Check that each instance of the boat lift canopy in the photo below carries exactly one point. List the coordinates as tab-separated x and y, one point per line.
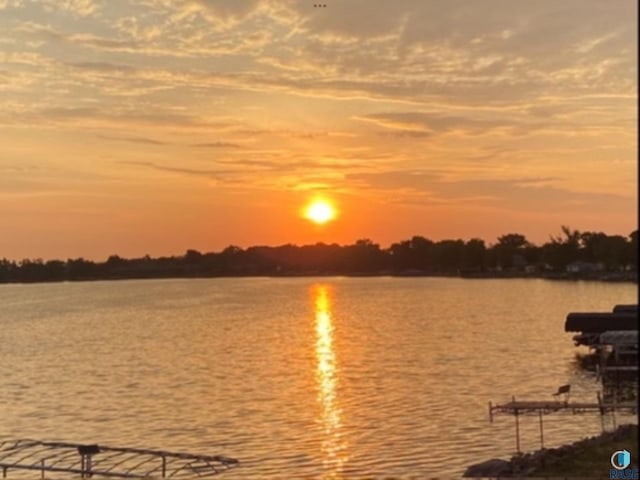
600	322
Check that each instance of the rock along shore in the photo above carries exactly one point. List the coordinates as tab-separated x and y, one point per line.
551	461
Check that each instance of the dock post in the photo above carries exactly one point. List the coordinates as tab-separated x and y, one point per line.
601	412
490	412
515	408
613	410
541	430
85	452
42	468
164	466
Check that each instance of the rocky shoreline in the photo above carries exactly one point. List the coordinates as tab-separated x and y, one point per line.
541	462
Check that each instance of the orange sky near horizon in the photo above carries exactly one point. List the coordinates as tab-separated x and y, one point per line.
158	126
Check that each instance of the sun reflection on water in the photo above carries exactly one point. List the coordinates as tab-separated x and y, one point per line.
333	444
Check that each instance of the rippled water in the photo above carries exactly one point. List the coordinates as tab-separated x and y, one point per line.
296	378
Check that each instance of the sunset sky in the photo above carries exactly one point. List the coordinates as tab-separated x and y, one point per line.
155	126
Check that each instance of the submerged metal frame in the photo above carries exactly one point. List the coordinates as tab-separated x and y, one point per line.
115	462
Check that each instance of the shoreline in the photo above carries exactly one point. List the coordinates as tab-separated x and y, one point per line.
610	277
586	458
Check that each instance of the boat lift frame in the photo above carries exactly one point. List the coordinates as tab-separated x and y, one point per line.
517	408
115	462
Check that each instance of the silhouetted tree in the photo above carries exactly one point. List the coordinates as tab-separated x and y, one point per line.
593	246
55	270
401	256
80	269
7	270
633	250
418	255
365	256
192	256
509	249
473	255
448	255
561	251
616	252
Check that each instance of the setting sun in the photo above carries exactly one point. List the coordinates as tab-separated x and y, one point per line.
320	211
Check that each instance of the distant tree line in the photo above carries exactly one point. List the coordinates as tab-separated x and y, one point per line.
571	254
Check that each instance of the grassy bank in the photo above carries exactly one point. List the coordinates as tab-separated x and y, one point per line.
591	458
587	458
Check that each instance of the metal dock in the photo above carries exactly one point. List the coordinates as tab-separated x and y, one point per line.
115	462
544	407
612	337
533	407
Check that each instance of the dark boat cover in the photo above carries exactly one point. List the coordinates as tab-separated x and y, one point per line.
626	309
600	322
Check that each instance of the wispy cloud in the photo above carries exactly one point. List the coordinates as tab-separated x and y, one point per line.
518	194
210	173
80	8
217	145
142	140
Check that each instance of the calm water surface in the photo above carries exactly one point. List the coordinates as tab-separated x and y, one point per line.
296	378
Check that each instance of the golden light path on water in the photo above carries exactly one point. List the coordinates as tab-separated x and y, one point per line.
334	448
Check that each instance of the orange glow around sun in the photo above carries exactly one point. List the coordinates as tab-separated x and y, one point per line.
320	211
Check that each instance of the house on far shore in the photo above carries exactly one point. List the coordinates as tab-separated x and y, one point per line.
585	267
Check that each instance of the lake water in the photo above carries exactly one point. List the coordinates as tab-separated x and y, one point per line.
297	377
